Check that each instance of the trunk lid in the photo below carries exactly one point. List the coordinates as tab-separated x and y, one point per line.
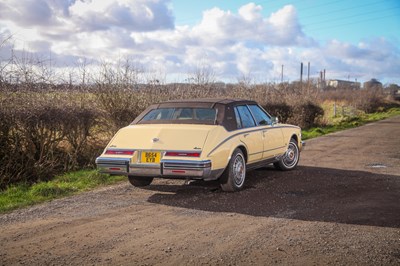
161	137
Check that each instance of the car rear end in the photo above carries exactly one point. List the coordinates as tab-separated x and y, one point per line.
170	151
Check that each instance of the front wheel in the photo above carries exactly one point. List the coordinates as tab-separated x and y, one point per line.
291	157
234	175
140	181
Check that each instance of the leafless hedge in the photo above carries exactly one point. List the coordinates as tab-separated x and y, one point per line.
49	129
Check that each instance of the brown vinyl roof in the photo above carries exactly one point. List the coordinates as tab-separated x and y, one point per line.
205	101
225	114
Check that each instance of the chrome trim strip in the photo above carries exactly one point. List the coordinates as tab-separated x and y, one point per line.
145	165
112	160
187	164
144	171
246	132
275	148
256	153
118	149
183	151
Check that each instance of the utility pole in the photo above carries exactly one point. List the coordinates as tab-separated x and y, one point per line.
308	73
282	75
301	72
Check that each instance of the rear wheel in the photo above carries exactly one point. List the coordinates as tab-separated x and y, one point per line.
234	175
140	181
291	157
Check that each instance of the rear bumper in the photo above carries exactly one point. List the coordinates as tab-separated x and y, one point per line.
303	144
115	166
167	168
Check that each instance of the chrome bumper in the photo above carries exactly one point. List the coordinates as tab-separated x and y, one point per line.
303	144
115	166
167	168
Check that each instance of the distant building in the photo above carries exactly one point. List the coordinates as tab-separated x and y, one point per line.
394	91
373	83
343	84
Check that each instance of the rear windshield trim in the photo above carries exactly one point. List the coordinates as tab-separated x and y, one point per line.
173	116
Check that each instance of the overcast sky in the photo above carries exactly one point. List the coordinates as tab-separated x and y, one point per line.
350	39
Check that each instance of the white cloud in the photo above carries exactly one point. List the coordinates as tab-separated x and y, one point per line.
26	12
225	27
232	43
139	15
250	12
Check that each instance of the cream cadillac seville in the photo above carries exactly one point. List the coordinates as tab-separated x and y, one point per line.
208	139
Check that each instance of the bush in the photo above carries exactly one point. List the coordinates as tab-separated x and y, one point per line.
306	115
41	137
281	110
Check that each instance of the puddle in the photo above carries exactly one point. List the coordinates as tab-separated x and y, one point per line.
376	165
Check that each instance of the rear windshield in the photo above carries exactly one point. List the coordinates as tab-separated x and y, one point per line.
181	115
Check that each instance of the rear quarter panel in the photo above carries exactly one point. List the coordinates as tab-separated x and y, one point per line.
220	145
290	131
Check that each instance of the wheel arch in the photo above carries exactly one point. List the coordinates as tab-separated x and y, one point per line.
295	137
244	151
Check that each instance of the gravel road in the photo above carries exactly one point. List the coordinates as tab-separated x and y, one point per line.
341	206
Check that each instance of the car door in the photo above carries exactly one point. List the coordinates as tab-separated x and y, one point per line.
251	137
272	135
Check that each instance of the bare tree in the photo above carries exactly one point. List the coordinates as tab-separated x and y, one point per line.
4	63
203	75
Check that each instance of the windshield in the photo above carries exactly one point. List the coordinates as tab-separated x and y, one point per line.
181	115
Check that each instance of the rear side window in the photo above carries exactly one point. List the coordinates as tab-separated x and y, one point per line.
179	114
245	117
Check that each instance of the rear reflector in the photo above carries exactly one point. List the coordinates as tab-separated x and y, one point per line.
120	152
183	154
178	171
114	169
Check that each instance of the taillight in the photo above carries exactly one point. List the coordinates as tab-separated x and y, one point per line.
119	152
182	154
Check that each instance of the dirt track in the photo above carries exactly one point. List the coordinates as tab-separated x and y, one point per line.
340	207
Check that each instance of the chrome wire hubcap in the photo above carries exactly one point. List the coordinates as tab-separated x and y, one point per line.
291	156
239	170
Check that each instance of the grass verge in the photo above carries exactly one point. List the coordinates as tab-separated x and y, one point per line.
349	122
23	195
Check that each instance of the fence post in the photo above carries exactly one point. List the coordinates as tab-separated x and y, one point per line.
334	109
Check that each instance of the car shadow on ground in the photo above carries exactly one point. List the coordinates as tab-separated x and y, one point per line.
307	193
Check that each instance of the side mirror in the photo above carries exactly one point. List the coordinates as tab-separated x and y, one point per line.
274	120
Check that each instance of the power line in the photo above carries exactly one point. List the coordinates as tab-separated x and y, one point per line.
352	16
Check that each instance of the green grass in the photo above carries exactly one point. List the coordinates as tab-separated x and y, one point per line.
342	123
23	195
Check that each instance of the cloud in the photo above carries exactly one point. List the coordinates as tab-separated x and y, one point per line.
26	12
245	42
224	27
137	16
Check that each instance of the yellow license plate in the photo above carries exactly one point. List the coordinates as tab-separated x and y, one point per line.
151	157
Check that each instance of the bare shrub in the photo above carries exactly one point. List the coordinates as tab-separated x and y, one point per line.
43	134
119	106
281	110
306	115
82	145
370	100
367	100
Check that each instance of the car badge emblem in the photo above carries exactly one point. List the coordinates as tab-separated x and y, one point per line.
156	139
